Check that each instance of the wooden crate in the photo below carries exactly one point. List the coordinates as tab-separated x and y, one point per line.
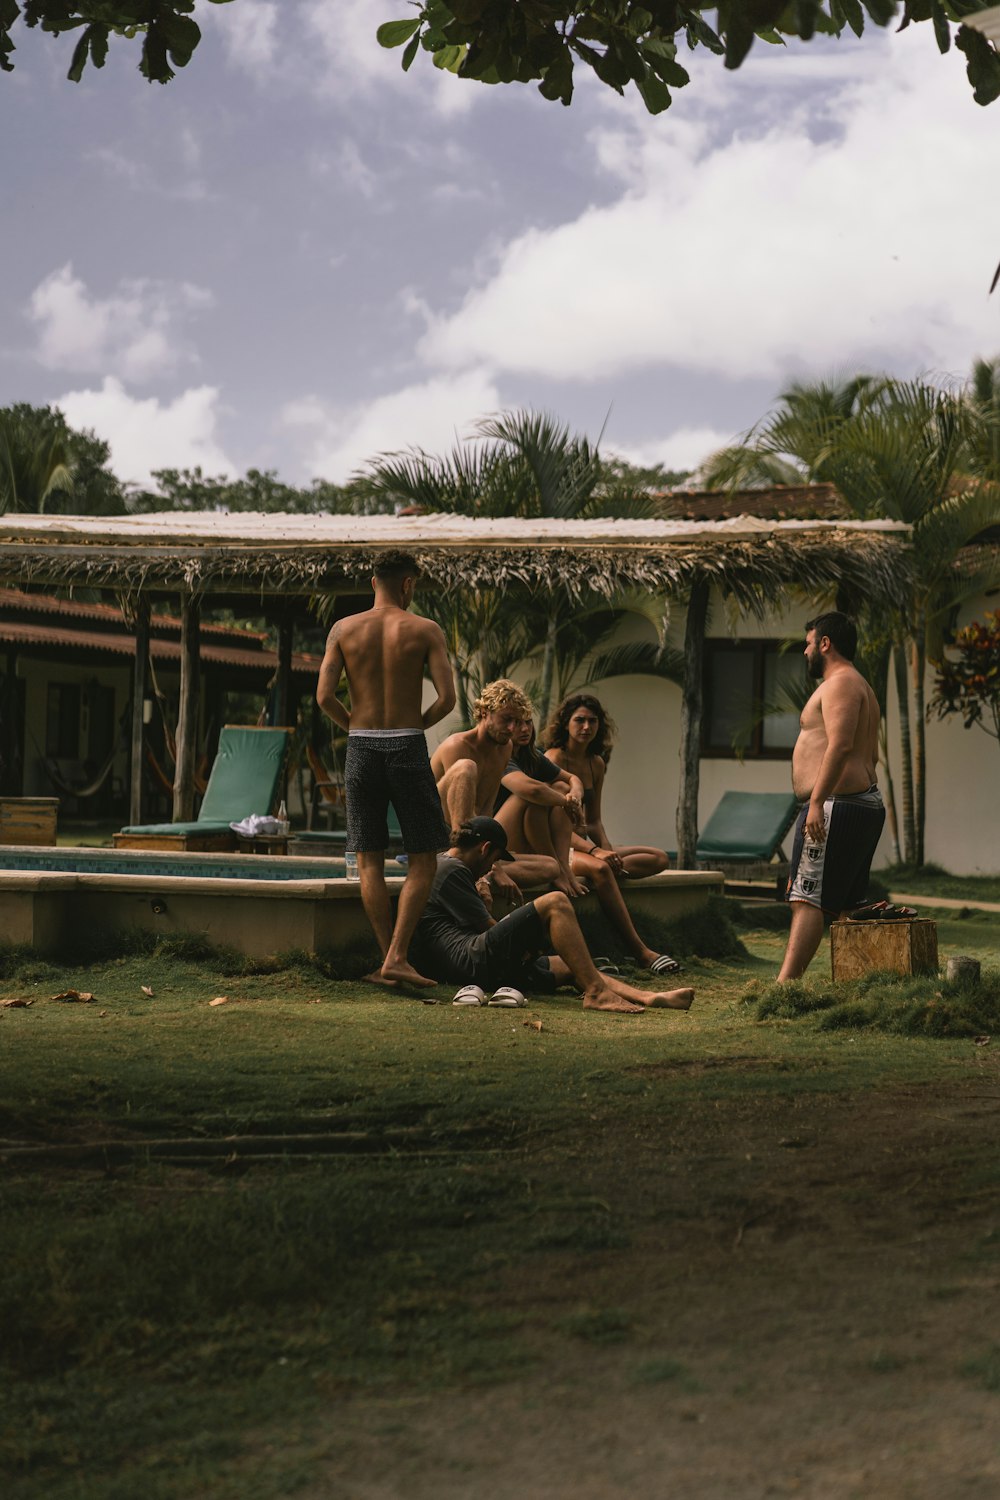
28	820
178	843
858	948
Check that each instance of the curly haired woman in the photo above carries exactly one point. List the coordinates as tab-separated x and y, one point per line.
578	739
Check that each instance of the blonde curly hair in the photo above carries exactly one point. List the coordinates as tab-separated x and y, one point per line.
502	694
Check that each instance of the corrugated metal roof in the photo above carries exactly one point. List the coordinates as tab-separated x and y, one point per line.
254	529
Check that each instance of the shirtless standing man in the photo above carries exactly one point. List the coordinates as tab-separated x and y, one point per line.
384	652
833	775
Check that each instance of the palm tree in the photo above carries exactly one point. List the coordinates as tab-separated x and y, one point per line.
905	451
35	459
521	464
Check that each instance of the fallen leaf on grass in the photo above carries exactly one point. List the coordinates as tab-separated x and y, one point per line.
73	995
18	1004
219	1000
147	990
102	1013
980	1041
535	1025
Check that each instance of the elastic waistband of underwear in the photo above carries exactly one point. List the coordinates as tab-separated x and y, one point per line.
872	797
381	734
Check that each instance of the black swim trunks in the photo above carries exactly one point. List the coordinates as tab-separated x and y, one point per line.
834	875
383	766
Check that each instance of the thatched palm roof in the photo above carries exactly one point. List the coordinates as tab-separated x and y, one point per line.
204	552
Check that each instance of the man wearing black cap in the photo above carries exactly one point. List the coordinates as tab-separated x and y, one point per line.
537	947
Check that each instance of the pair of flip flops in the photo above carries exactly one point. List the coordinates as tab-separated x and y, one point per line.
506	996
882	911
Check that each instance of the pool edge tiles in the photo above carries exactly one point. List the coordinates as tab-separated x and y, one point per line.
16	859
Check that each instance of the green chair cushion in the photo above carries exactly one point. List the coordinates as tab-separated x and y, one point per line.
747	826
245	778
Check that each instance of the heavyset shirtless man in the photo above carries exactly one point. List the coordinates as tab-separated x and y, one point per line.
833	775
384	652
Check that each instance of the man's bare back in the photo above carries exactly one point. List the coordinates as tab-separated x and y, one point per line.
384	652
842	711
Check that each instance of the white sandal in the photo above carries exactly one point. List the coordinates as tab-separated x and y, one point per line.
470	994
507	996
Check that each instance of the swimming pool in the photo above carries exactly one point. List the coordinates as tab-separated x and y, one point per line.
257	903
82	861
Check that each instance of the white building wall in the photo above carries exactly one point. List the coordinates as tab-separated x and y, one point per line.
640	798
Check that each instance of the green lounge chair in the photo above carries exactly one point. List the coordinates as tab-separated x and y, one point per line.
747	828
744	835
246	778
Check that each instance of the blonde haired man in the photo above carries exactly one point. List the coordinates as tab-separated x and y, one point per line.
468	765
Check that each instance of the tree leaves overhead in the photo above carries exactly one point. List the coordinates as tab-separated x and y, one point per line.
626	42
167	35
623	42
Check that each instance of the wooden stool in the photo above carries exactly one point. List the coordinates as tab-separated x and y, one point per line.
858	948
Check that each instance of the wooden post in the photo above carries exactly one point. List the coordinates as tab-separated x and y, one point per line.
283	677
139	671
11	730
690	746
963	969
187	712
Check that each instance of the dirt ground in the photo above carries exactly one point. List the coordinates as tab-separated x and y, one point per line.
808	1308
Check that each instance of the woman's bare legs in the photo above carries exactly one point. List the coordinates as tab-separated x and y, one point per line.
609	895
642	859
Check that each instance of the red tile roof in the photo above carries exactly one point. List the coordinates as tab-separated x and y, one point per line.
26	633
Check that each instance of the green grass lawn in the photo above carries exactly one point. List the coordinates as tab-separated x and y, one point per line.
223	1222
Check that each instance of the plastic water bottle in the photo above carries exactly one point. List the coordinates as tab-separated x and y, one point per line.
351	865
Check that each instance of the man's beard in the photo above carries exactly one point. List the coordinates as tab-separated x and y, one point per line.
498	736
816	664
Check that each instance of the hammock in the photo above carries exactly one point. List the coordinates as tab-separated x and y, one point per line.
67	788
54	773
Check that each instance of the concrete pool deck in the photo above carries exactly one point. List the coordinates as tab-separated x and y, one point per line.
45	908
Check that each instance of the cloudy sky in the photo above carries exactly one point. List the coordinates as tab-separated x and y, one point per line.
295	257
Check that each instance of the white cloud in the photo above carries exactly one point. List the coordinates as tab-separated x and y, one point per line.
686	448
130	332
250	38
329	47
147	434
843	222
344	31
433	415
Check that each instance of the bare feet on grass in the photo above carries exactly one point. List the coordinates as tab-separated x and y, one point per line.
670	1000
375	977
598	998
404	973
395	976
